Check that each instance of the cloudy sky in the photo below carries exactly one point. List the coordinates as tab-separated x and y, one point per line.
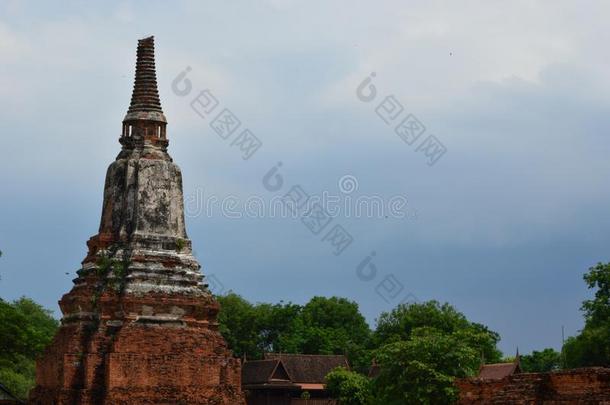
502	226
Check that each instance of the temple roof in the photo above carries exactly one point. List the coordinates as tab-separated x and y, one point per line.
499	370
145	103
306	368
263	371
290	371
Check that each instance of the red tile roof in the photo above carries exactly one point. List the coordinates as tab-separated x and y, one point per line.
498	371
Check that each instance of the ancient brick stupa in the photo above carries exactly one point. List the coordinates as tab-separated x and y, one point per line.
139	326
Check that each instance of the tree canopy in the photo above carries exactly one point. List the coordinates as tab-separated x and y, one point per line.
422	348
25	330
541	361
399	324
348	387
592	346
422	369
322	326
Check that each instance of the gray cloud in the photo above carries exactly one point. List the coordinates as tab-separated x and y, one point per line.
509	218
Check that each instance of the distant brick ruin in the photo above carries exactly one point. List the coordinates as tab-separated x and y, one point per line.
140	326
584	386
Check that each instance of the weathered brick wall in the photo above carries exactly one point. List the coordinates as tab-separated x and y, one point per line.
578	386
140	363
473	391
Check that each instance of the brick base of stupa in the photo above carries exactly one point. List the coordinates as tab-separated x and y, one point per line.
168	352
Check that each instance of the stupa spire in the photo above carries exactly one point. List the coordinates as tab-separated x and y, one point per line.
145	96
145	119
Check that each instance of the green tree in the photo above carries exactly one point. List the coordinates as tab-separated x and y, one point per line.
238	325
423	347
252	329
26	328
322	326
280	327
592	346
540	362
422	369
597	310
336	326
349	387
398	325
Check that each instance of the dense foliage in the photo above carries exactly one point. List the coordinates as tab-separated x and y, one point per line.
592	346
422	348
400	323
322	326
422	370
25	330
540	362
419	348
349	387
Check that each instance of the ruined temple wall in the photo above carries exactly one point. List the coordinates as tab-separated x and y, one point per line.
474	391
579	381
578	386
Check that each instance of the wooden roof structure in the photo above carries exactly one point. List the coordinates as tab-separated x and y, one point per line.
292	371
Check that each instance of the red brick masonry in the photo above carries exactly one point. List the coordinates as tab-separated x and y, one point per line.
135	362
579	386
